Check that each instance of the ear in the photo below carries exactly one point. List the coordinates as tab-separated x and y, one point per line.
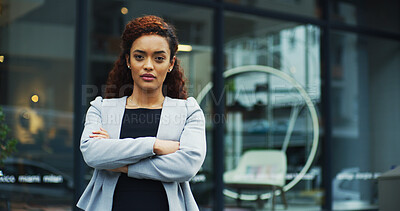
127	60
172	63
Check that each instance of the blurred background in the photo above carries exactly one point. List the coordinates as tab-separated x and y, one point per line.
317	80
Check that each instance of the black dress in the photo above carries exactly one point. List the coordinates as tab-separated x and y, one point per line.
139	194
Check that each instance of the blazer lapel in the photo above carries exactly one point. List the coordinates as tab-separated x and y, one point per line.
112	115
173	119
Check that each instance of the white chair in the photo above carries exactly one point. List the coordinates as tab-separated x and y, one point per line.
259	170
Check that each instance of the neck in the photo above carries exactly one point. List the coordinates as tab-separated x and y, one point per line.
144	98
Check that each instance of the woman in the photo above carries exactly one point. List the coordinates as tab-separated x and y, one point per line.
146	139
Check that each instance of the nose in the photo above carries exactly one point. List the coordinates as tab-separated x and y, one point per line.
148	64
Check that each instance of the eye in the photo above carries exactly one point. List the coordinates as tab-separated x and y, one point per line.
138	57
160	59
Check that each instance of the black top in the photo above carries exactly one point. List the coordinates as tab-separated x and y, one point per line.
139	194
140	122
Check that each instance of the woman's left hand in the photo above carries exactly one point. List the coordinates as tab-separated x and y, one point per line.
123	169
100	134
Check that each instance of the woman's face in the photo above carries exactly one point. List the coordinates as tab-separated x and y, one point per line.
149	60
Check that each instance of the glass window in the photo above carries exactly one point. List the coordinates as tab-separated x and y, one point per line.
383	15
309	8
364	94
272	98
37	82
194	31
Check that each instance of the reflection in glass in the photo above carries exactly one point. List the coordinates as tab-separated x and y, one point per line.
37	42
267	112
383	16
299	7
364	74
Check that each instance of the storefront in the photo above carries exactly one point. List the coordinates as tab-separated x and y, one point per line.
316	81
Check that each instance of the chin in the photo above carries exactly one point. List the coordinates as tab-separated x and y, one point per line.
148	88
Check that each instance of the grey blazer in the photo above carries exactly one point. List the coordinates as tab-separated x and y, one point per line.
181	120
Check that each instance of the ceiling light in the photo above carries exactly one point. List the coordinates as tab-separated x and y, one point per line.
186	48
35	98
124	10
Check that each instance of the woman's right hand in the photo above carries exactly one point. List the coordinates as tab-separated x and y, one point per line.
164	147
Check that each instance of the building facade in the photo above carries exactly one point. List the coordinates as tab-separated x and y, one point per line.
317	80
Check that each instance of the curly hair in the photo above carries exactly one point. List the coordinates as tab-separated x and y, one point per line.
120	82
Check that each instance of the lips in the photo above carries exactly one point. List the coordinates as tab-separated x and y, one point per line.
148	77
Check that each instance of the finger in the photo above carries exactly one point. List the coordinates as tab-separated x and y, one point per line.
102	129
104	134
98	136
100	132
115	170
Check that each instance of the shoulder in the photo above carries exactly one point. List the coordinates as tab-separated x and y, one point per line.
99	101
96	103
190	104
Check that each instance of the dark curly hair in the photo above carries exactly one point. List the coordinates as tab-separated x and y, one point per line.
120	82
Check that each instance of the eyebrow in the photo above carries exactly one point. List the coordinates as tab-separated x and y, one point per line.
156	52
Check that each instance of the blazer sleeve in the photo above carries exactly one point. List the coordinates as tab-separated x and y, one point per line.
186	162
110	153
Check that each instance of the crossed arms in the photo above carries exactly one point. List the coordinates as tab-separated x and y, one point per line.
146	157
